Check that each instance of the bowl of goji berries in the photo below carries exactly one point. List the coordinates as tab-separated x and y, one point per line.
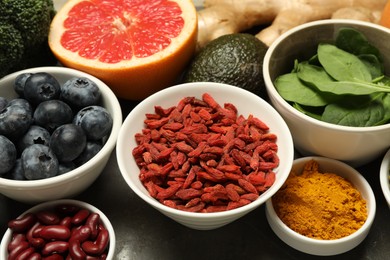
59	229
204	154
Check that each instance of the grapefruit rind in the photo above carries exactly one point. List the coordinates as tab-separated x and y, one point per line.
137	78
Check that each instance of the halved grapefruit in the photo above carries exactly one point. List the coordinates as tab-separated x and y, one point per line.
385	16
137	47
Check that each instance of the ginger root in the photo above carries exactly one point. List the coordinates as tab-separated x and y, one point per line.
220	17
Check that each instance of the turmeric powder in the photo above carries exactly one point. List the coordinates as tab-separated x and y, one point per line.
320	205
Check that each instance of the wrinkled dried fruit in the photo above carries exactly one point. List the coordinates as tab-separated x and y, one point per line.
200	156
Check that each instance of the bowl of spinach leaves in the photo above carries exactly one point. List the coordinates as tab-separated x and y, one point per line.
330	81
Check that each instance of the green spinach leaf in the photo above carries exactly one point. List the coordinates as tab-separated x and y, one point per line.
311	74
291	88
357	112
342	65
351	88
373	64
355	42
317	77
384	81
308	111
386	104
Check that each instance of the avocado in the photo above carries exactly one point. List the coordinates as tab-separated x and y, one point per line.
235	59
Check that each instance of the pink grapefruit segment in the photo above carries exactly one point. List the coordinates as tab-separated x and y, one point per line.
136	46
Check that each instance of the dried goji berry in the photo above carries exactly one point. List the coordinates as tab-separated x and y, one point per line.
192	202
213	208
246	185
269	179
197	208
163	111
168	192
197	185
232	193
249	196
170	203
156	123
188	194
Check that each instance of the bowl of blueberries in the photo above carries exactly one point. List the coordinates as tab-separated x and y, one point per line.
58	127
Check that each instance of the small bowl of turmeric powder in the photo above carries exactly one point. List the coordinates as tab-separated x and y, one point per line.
324	208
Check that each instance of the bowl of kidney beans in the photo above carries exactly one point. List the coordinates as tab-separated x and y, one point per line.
58	128
59	229
204	154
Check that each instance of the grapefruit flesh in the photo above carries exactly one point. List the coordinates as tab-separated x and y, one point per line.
137	47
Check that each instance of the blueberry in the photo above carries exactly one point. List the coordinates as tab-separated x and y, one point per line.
20	82
7	155
3	103
34	135
40	87
17	172
39	162
80	92
95	120
15	120
91	149
52	114
21	102
67	142
66	167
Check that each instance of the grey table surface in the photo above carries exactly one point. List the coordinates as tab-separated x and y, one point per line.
143	233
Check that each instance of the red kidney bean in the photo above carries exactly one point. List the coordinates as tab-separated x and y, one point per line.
59	235
66	221
98	246
75	250
48	217
23	223
24	255
93	223
36	230
35	241
17	249
55	232
67	209
80	216
16	240
35	256
58	247
53	257
81	234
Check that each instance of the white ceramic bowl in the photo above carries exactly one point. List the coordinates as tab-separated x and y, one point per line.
384	174
52	204
326	247
354	145
74	182
246	103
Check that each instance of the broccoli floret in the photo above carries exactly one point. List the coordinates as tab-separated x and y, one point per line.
11	47
24	23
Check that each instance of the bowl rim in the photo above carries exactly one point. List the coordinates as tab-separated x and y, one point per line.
271	88
107	147
82	204
371	212
212	215
384	173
